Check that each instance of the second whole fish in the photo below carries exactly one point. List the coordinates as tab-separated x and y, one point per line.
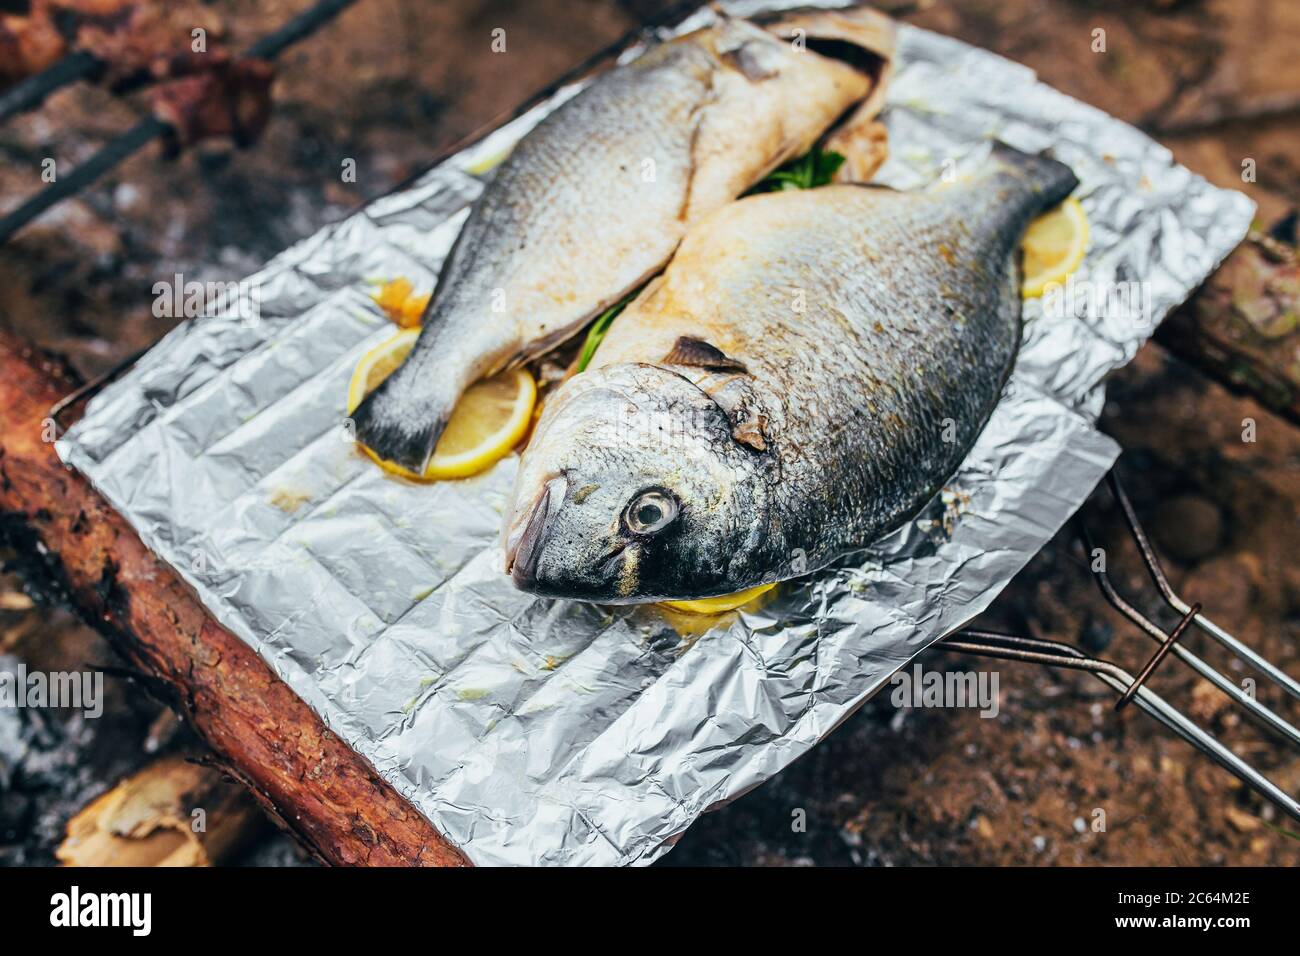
593	201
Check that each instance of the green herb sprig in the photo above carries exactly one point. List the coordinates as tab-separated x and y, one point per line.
815	168
596	334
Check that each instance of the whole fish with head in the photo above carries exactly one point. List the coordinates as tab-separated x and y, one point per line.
804	376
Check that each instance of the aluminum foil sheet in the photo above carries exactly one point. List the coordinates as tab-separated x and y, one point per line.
538	731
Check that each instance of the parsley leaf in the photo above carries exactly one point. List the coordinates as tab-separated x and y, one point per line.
813	169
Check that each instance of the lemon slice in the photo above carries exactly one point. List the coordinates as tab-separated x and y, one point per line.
485	425
379	363
1054	245
716	605
490	419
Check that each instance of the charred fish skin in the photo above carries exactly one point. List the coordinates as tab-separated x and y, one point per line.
594	200
867	335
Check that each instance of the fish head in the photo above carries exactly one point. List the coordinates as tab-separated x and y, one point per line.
633	489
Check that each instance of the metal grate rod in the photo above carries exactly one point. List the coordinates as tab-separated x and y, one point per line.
147	130
30	93
1134	689
1161	581
1030	651
1248	702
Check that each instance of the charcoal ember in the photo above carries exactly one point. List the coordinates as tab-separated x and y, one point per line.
13	748
52	762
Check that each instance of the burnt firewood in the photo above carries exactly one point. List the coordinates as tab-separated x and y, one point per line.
75	547
1243	326
172	812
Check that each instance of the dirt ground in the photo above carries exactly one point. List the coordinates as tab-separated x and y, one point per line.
395	81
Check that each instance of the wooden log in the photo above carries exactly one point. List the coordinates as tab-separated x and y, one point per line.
76	547
172	812
1243	326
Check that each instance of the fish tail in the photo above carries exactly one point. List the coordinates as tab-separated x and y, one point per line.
1049	179
398	429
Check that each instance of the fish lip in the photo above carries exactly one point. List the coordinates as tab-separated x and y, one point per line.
513	528
524	553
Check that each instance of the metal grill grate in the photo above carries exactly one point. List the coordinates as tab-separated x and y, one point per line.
1133	689
31	92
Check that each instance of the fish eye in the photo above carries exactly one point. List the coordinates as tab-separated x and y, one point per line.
650	511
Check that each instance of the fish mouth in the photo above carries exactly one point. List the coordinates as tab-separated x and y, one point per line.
524	549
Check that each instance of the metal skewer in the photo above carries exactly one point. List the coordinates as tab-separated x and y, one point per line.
1133	689
1157	574
30	93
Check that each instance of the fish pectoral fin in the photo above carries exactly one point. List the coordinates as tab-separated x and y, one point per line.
736	397
698	353
749	432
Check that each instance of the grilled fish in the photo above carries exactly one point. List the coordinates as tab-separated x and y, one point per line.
594	200
804	376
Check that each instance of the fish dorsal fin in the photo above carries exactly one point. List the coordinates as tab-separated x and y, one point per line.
698	353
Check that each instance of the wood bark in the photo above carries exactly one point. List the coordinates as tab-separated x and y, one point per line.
1243	326
76	548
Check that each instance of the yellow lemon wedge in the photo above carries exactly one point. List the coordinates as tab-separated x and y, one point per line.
490	419
379	363
1054	245
717	605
